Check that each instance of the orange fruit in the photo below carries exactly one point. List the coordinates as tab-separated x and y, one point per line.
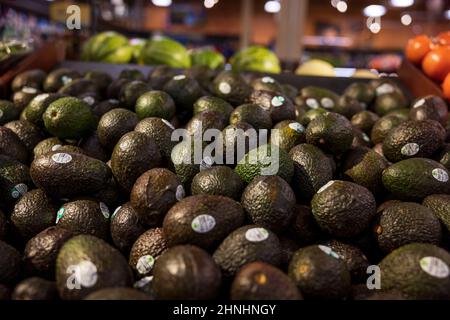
417	48
443	38
446	87
436	63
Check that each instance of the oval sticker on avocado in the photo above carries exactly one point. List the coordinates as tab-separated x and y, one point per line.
224	88
179	77
145	264
440	175
203	223
256	234
104	209
59	214
326	186
329	251
115	212
312	103
29	90
277	101
19	190
297	127
435	267
327	103
167	123
268	80
179	194
410	149
385	88
419	103
62	158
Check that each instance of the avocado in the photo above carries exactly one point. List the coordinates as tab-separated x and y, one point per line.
218	180
366	170
160	130
267	84
78	87
418	139
3	226
289	246
31	78
15	181
115	87
429	108
84	263
160	75
125	227
320	273
46	146
443	156
440	205
211	103
383	126
404	223
183	158
146	250
280	107
93	148
84	217
361	91
184	91
331	132
40	252
10	264
130	92
91	98
360	139
348	106
118	293
287	134
289	91
311	114
8	111
131	74
33	213
101	79
265	160
353	257
202	74
253	114
134	154
35	289
11	145
69	118
28	133
200	220
69	174
388	102
316	97
35	109
197	266
203	121
155	104
269	202
312	170
58	78
364	120
419	271
300	111
114	124
261	281
235	139
403	113
303	228
104	106
247	244
230	86
416	178
343	209
154	193
23	97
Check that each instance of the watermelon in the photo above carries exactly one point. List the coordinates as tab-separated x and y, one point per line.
256	58
165	51
103	46
207	57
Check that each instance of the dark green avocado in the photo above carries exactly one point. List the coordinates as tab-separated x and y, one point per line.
125	227
252	114
114	124
35	289
280	107
28	133
10	264
218	180
231	87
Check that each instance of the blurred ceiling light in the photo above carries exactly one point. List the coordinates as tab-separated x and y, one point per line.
272	6
374	10
375	27
406	19
447	14
342	6
209	3
334	3
162	3
402	3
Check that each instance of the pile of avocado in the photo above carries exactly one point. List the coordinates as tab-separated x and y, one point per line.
96	202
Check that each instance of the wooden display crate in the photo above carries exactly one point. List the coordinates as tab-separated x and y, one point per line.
417	81
45	58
